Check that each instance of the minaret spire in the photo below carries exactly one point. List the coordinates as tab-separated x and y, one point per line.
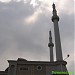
55	20
51	45
54	13
53	6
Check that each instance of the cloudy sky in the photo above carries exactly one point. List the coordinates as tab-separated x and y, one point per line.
24	30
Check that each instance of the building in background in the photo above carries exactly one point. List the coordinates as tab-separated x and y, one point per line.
58	67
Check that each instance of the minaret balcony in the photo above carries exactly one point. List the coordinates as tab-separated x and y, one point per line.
50	44
55	17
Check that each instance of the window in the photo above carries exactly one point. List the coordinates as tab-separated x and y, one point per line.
23	68
39	67
12	66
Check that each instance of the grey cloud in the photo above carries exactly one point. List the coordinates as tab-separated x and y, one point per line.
12	13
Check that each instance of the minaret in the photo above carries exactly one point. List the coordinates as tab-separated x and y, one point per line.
51	45
55	20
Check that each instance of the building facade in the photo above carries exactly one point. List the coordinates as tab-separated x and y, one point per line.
23	67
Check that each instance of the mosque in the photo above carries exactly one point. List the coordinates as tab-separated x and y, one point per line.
23	67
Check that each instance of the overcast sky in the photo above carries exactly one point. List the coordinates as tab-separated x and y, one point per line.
24	30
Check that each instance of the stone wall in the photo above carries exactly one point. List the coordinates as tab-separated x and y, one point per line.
3	73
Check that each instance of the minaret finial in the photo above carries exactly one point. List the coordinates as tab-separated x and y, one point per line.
50	34
55	16
53	6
